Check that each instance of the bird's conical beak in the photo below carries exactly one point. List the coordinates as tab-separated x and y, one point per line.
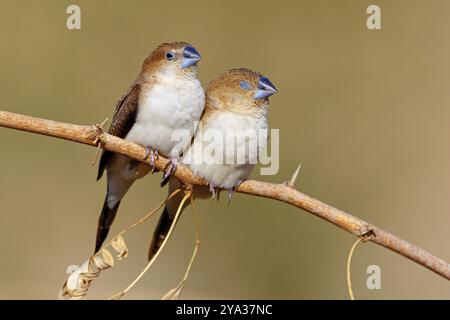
190	57
265	88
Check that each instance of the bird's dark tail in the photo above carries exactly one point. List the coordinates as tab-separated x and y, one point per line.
104	223
167	217
161	231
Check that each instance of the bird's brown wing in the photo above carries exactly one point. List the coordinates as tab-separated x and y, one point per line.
124	118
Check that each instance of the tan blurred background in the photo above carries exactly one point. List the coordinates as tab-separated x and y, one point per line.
367	113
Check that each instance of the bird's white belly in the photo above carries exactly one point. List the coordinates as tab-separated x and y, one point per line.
165	111
231	172
222	175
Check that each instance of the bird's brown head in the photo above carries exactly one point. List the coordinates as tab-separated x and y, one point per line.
239	90
178	58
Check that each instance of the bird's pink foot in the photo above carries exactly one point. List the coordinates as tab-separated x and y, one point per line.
212	189
151	154
168	171
231	192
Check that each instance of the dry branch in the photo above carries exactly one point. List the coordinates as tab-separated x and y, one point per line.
285	192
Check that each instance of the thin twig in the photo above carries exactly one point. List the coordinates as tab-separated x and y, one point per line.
147	216
174	293
291	182
78	284
349	263
153	259
281	192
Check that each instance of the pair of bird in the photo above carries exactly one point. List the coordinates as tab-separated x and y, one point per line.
165	97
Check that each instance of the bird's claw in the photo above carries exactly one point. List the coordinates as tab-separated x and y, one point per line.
212	189
231	192
153	155
230	195
168	171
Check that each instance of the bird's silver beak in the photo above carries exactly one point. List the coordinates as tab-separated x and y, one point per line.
190	57
265	88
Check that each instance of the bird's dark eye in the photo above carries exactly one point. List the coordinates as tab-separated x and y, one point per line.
245	85
170	55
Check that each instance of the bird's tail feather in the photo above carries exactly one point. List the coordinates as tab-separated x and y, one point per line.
160	233
104	223
167	217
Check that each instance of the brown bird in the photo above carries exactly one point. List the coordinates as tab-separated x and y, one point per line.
235	110
166	96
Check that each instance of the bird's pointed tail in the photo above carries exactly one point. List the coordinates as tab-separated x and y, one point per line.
167	218
104	223
160	233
